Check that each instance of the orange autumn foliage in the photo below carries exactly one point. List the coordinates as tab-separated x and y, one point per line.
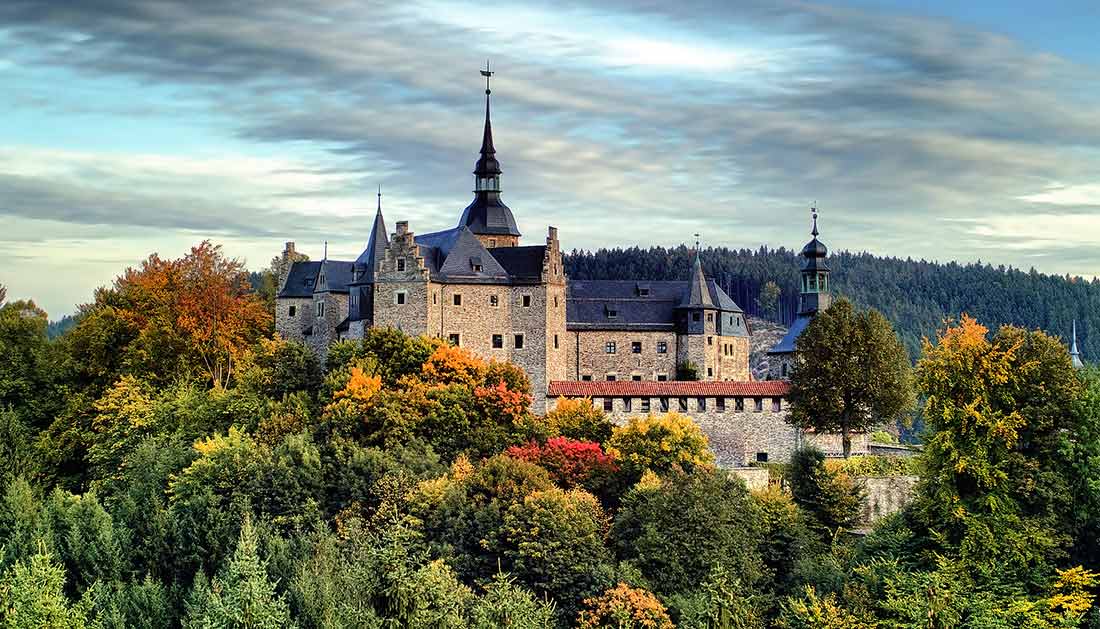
360	387
453	365
624	607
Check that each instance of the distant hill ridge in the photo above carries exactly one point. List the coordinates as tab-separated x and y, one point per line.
915	295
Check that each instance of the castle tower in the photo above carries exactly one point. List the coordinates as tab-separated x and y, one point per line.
815	275
487	216
1074	354
361	288
813	297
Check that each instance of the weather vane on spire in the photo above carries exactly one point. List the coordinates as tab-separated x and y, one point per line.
379	197
487	74
697	243
813	212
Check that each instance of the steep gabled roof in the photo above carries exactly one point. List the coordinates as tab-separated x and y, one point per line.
367	261
697	294
301	279
338	274
465	255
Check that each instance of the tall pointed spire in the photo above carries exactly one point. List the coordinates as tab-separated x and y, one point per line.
367	262
1074	354
487	216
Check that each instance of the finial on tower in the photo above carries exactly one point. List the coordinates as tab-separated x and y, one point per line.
487	74
696	244
379	198
813	212
1074	354
326	251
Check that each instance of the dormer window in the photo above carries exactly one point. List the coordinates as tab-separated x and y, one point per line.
643	290
401	264
321	281
475	264
612	313
492	242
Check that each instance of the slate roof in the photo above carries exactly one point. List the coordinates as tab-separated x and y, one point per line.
301	279
671	388
697	295
589	301
522	263
452	255
338	274
487	214
375	250
786	344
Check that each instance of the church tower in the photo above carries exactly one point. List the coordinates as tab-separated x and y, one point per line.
815	275
813	297
487	216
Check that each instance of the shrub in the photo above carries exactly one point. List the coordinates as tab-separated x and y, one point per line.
624	607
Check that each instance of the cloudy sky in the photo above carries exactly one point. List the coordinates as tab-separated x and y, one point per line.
936	129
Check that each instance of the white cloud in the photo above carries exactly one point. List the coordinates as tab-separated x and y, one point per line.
1058	194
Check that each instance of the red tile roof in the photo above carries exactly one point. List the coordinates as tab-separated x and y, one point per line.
672	388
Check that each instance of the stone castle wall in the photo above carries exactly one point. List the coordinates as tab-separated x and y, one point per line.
588	347
291	327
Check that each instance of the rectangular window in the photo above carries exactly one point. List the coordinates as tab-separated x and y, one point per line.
643	292
518	341
457	299
636	378
401	264
710	340
758	404
555	301
526	301
399	297
683	405
475	267
586	377
664	405
739	405
662	347
710	317
494	301
720	404
611	377
320	309
293	311
662	377
701	403
612	314
775	405
627	403
608	405
695	316
710	372
435	298
636	347
454	339
555	341
609	347
492	242
498	341
645	405
761	457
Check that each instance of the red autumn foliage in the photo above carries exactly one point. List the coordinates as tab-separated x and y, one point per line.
571	463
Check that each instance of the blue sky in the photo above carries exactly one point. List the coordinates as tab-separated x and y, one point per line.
937	130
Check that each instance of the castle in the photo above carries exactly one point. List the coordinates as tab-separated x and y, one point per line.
630	346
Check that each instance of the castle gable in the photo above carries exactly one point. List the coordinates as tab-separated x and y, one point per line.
468	260
334	276
301	279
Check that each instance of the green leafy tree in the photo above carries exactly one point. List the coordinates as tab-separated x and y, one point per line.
850	373
661	444
553	542
676	531
811	611
624	607
26	363
833	500
720	602
579	419
241	596
993	480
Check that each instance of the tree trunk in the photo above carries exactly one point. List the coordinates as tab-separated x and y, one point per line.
846	440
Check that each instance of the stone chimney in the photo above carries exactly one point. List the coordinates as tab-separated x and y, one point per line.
287	259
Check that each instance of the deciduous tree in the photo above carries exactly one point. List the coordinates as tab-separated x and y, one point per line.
850	373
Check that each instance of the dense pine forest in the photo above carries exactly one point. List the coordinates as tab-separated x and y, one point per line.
167	461
914	294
